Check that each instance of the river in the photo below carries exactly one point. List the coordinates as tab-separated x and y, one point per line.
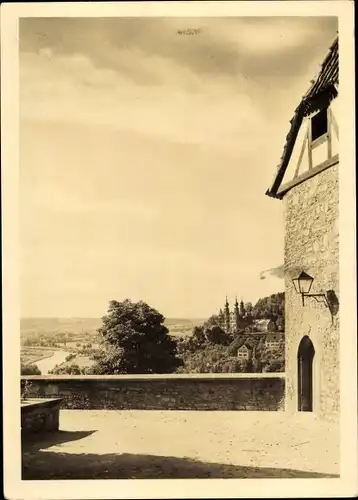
47	364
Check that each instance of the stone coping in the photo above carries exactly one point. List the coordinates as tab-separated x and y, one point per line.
31	403
151	377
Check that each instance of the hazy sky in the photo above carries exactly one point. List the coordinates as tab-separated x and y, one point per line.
145	156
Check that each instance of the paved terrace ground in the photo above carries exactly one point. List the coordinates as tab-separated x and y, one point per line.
183	444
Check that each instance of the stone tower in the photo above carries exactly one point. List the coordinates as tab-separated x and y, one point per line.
307	182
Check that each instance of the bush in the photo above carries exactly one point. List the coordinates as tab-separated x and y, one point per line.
216	335
66	370
256	366
274	365
27	369
228	364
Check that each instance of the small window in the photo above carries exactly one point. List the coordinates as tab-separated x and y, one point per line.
319	125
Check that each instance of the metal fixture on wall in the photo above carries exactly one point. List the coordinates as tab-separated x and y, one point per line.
303	284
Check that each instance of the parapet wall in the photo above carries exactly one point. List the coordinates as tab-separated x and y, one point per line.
163	392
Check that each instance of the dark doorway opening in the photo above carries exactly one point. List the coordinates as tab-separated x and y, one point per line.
305	357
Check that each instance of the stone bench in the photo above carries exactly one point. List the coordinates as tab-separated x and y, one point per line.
40	415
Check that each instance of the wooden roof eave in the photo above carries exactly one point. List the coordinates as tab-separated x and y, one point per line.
291	139
306	107
324	88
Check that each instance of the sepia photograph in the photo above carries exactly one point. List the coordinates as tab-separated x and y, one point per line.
178	245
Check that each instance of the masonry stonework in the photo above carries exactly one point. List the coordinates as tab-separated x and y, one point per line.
40	416
170	392
312	244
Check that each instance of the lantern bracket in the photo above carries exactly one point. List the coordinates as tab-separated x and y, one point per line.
315	296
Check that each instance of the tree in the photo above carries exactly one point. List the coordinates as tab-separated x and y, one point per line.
135	341
280	323
216	335
221	317
243	366
203	359
256	365
214	320
228	364
198	334
261	343
27	369
271	307
248	308
231	364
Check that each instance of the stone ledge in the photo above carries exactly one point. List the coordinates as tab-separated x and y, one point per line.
40	415
156	376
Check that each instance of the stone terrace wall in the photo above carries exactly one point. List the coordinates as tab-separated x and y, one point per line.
163	392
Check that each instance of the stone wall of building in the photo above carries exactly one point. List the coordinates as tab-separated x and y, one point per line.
159	392
312	245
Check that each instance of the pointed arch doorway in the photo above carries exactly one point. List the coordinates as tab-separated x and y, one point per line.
305	357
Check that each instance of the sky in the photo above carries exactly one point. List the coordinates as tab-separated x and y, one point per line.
145	156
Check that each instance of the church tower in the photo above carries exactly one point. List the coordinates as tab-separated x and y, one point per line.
242	309
227	316
237	315
221	316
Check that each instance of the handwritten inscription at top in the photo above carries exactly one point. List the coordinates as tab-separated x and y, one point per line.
189	31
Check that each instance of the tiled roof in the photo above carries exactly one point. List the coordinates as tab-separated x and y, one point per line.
262	321
322	90
327	77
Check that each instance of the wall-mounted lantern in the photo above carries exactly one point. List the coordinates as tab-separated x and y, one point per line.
303	284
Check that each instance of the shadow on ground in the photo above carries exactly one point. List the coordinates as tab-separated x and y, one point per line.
43	465
39	441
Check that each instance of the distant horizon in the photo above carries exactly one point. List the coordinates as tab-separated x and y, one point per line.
174	316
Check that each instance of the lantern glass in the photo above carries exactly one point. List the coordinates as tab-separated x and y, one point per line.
296	285
303	283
